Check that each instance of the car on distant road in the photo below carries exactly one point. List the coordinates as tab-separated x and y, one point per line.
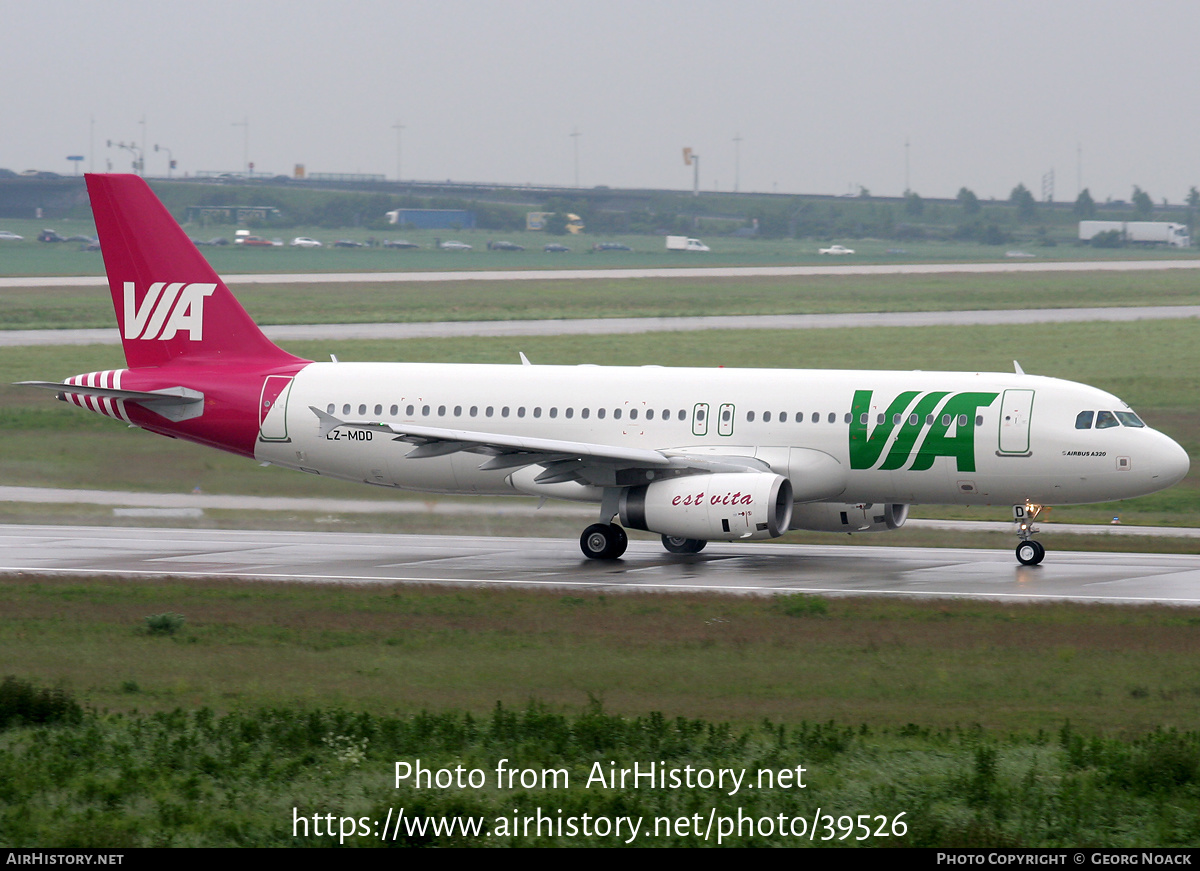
255	242
836	249
454	245
50	236
10	236
610	246
305	242
83	239
1018	254
505	246
349	243
400	243
555	248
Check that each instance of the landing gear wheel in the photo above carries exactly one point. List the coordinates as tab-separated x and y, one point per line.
603	541
1030	553
675	544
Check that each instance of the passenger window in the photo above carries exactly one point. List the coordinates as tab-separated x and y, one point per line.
616	414
488	413
979	420
649	414
329	408
441	411
504	411
458	411
394	410
816	417
682	415
537	411
945	420
849	417
425	410
378	410
895	419
633	414
962	420
1105	419
783	417
600	413
584	413
912	420
766	417
1084	420
474	410
862	418
553	413
362	409
749	416
345	409
569	413
409	411
521	411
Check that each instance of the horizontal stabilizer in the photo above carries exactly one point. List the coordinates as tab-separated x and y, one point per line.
173	403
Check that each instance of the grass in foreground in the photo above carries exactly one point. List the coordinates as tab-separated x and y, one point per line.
972	724
384	649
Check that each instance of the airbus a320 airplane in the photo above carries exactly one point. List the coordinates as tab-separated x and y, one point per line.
691	454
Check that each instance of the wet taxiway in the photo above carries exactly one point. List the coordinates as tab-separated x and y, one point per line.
1114	578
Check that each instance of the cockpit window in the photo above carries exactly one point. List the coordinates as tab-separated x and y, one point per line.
1128	418
1105	419
1084	420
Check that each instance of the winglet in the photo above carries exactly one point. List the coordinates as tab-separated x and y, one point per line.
1017	367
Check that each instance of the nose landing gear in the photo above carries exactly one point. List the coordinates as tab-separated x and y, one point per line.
1029	552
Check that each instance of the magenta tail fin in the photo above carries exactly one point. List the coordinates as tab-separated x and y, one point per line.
170	304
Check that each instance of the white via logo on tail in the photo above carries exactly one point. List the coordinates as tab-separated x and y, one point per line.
166	309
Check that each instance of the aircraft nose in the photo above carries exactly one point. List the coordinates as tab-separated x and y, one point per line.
1173	463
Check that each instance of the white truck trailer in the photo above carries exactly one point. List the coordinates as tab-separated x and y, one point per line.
685	243
1139	232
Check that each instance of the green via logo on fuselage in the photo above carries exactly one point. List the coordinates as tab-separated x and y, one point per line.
867	447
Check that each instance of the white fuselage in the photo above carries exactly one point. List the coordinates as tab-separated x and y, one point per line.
903	437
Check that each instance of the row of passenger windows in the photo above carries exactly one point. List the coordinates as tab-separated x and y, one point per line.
1106	419
506	411
666	414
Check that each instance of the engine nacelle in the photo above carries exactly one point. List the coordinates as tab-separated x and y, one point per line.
725	506
834	517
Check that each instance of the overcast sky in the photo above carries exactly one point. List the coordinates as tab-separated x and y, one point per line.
823	95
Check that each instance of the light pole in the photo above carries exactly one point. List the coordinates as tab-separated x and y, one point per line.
139	165
170	157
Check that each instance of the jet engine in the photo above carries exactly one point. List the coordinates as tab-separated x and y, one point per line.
725	506
834	517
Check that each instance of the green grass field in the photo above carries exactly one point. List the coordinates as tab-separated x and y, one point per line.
67	307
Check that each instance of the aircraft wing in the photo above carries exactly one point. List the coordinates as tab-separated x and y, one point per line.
586	462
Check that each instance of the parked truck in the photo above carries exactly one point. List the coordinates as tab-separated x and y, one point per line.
685	243
1139	232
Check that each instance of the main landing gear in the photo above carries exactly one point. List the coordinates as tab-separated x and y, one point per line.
608	541
1029	552
674	544
603	541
